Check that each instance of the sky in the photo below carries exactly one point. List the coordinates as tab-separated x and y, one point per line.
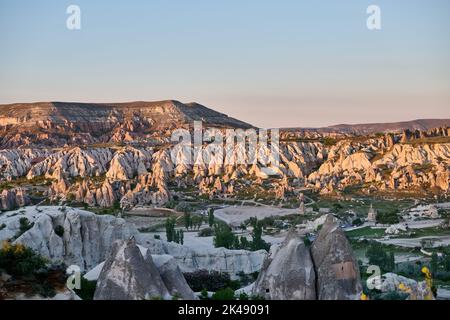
277	63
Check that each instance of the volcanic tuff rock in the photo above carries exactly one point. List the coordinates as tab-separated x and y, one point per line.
288	272
337	270
327	271
61	123
127	275
104	154
85	241
13	198
232	262
415	290
173	278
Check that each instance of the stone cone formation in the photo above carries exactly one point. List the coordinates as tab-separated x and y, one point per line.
326	272
288	272
127	275
337	270
104	154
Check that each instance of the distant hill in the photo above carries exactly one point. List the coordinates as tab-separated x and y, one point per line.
368	128
162	114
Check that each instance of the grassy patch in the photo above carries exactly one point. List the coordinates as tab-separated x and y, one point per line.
366	232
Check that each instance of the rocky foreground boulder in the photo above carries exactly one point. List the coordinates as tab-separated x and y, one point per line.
65	235
288	272
328	271
127	275
336	268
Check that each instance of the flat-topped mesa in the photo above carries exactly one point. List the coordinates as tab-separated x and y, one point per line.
86	123
159	114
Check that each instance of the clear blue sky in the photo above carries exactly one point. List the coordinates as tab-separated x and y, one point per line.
271	63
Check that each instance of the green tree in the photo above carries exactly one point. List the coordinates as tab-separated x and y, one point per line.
211	217
223	236
170	229
181	237
379	257
434	264
224	294
257	241
187	220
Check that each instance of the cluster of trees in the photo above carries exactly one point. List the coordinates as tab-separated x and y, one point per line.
29	269
192	221
440	265
224	237
388	217
378	256
172	234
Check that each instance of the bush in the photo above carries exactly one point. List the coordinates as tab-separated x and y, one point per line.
224	294
243	296
17	260
59	230
388	217
87	289
207	232
224	237
25	225
204	295
209	280
379	257
358	222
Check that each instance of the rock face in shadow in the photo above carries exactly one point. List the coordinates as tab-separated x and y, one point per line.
173	277
126	275
288	272
336	268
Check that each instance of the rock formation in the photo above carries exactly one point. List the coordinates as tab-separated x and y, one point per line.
84	239
127	275
337	270
173	277
288	272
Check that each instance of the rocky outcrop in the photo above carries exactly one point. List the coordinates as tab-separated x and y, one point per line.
127	275
337	270
232	262
173	277
288	272
65	235
392	282
134	164
13	198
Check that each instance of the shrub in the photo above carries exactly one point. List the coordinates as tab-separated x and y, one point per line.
207	232
2	226
25	225
87	289
224	294
379	257
204	295
243	296
17	260
388	217
224	237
